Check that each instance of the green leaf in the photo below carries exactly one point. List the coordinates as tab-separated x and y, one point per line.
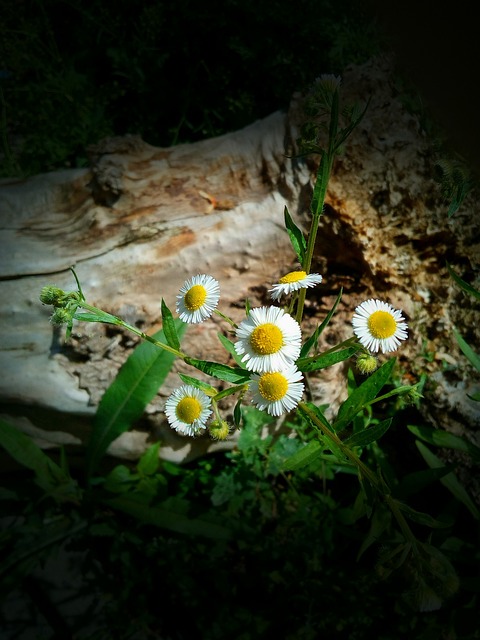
313	339
305	456
198	384
414	482
124	402
381	519
23	449
169	328
369	435
441	438
237	414
89	316
149	462
462	284
468	352
296	236
166	518
363	395
236	375
450	481
422	518
230	347
325	360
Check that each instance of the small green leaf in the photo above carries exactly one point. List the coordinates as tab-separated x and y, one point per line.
237	414
468	352
296	236
414	482
169	327
369	435
236	375
462	284
441	438
381	519
450	481
149	462
198	384
89	316
305	456
230	347
313	339
363	395
325	360
422	518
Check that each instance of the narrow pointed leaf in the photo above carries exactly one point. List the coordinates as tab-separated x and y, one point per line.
313	339
441	438
296	236
325	360
369	435
305	456
462	284
169	327
422	518
198	384
362	395
468	352
124	402
236	375
230	347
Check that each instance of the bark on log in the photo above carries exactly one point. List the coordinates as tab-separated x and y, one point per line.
140	220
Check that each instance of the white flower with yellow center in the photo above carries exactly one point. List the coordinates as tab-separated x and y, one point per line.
198	298
379	326
268	339
277	392
294	281
187	410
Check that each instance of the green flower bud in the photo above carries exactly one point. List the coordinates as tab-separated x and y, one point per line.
366	363
219	430
412	395
51	295
60	316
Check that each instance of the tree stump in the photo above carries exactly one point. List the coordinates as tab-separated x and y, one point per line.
140	220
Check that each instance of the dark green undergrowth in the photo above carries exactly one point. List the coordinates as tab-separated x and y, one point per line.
73	72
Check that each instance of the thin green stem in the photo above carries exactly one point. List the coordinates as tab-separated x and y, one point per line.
121	323
366	472
226	318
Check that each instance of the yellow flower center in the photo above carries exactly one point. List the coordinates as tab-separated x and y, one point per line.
293	276
188	410
266	339
382	324
195	297
272	386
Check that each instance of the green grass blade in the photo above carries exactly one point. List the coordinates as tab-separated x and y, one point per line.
462	284
169	327
467	350
124	402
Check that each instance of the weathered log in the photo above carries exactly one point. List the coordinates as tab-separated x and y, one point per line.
141	220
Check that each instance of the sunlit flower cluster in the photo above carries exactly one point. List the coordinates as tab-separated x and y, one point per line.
269	342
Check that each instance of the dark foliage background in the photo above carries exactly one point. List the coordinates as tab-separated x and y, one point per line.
72	72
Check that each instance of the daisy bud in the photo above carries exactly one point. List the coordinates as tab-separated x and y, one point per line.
366	363
60	316
51	295
219	430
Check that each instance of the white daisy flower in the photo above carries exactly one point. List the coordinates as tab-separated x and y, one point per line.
268	339
187	410
379	326
294	281
277	392
198	298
